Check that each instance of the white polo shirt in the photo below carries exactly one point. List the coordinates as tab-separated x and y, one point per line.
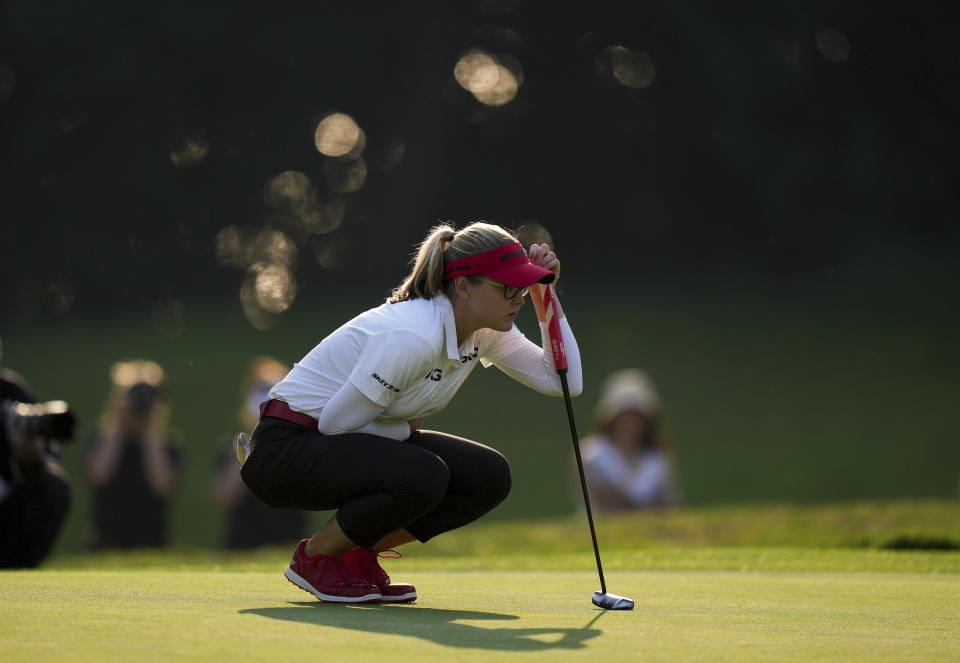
405	357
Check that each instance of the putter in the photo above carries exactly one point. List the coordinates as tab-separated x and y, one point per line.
602	599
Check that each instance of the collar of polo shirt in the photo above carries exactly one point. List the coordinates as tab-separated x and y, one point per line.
449	327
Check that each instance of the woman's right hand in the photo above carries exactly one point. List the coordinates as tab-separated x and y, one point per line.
542	256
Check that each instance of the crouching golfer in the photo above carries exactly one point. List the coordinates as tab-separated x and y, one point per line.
340	431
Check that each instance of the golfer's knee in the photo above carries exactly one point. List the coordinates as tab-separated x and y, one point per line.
496	480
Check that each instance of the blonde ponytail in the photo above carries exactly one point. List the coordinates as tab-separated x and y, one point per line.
426	277
443	244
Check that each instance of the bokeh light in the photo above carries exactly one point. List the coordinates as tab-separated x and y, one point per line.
632	69
476	72
833	44
298	207
189	151
493	79
269	256
236	246
503	92
272	247
267	290
256	315
275	287
289	191
338	135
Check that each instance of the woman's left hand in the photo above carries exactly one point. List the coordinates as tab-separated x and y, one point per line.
541	255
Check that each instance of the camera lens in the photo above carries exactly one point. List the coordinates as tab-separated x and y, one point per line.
141	397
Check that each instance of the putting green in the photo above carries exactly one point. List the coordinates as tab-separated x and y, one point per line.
203	614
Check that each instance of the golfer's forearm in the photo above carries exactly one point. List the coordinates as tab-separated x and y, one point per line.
572	351
350	411
533	366
395	430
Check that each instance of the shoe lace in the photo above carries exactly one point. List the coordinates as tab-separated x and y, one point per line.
364	564
374	570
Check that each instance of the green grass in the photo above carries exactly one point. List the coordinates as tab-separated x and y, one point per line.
798	394
777	582
890	524
183	607
660	558
693	539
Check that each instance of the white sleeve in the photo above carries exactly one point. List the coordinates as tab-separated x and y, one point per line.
517	356
349	411
390	362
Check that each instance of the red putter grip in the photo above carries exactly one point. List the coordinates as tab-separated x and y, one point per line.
553	327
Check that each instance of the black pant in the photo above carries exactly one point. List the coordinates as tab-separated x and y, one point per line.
428	484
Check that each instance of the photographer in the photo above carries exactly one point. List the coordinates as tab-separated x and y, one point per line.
132	461
34	493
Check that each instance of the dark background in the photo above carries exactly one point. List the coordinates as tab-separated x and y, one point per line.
769	227
751	156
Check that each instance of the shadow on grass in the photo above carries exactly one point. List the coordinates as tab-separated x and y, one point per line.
437	625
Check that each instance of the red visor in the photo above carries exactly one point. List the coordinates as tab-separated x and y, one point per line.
507	264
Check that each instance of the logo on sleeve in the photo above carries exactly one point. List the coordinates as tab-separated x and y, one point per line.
384	382
435	374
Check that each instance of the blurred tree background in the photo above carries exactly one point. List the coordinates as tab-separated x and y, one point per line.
754	201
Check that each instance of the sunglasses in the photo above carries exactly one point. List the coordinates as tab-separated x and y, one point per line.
509	291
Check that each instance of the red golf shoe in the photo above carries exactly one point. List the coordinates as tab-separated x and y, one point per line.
329	578
364	563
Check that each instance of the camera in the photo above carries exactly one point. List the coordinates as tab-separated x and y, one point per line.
142	396
52	420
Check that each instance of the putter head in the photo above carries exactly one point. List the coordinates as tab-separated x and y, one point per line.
610	601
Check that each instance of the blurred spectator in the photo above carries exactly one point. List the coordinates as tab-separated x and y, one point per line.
627	460
34	491
252	523
132	461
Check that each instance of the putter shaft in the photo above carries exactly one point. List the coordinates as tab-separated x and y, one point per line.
583	480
